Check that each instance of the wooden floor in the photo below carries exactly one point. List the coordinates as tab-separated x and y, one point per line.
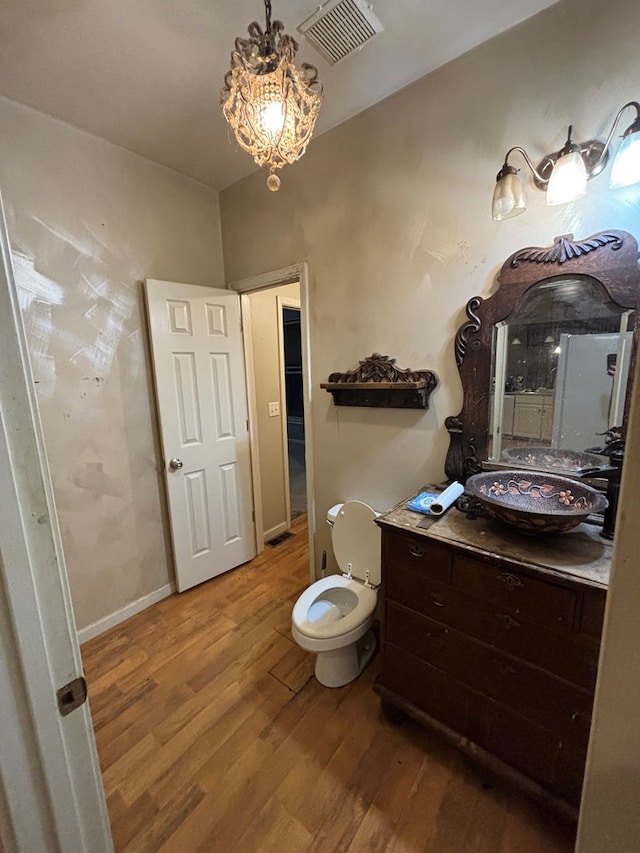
214	735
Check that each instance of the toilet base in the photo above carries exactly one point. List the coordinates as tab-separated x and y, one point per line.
338	667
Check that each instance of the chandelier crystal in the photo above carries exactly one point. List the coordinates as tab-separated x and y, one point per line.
270	104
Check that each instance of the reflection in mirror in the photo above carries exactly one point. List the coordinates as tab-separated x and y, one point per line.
560	366
546	359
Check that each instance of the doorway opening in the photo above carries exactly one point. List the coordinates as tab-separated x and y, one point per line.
279	395
292	360
269	350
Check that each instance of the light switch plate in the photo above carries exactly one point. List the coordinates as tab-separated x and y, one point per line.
274	409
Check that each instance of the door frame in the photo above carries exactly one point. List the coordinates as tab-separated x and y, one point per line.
274	278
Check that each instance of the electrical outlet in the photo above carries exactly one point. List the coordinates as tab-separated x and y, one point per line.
274	409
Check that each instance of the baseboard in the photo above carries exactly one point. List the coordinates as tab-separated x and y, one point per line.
102	625
275	531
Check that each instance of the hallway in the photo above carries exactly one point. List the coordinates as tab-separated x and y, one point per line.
297	479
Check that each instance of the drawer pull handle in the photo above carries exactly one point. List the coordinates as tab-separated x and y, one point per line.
510	581
417	550
438	599
508	621
504	668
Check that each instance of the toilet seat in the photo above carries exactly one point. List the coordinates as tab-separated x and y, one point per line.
356	541
339	614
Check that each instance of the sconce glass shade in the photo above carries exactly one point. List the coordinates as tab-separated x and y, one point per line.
626	166
508	195
568	180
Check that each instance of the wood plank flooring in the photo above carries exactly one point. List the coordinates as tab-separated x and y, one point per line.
214	735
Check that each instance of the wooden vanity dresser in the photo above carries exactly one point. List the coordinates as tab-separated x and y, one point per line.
492	637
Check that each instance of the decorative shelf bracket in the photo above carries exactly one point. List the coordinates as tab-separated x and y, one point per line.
379	383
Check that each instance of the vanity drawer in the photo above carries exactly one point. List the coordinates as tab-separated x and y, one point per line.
592	618
533	599
419	591
526	746
425	638
564	654
528	691
426	687
569	773
416	553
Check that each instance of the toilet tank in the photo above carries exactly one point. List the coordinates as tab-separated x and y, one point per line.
332	513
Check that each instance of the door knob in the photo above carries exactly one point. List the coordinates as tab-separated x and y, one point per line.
175	464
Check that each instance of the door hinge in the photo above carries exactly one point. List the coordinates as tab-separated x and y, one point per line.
71	696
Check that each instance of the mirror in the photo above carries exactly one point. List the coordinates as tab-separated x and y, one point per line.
560	367
545	361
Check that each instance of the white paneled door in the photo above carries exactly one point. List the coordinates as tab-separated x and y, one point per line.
202	402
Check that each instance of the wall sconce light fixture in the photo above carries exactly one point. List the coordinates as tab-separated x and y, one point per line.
564	174
270	104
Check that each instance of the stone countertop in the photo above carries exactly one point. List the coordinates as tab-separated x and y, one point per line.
580	554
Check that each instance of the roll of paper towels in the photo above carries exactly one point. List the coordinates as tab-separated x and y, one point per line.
446	498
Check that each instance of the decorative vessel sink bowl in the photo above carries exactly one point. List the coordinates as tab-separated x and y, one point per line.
533	501
554	459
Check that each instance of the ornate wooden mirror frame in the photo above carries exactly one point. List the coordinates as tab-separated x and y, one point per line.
610	257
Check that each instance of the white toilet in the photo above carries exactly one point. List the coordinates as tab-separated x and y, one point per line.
333	616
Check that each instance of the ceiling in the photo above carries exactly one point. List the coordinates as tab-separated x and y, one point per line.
146	74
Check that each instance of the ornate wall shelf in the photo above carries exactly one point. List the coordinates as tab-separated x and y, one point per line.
379	383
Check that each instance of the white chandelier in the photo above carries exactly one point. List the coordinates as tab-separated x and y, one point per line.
270	104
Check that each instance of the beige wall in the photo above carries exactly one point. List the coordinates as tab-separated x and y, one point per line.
265	343
392	212
87	221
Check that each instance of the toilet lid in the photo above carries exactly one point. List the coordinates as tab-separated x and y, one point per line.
356	540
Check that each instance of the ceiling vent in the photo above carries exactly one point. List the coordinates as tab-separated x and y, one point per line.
340	27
